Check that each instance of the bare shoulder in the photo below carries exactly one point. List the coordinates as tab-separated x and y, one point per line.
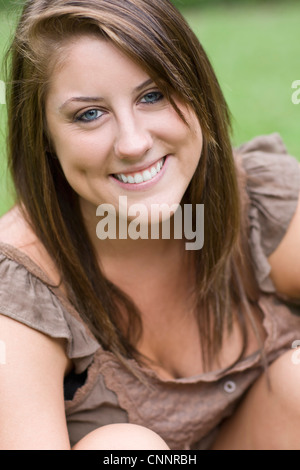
21	340
32	366
285	260
32	369
15	231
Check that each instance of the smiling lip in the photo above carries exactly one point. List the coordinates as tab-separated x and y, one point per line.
138	169
142	179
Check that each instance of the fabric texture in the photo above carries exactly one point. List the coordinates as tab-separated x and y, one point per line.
185	412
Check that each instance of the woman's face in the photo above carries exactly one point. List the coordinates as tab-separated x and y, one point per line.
114	132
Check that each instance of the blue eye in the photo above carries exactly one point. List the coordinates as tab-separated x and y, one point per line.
90	115
152	97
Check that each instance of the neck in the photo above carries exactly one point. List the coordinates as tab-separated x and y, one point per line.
126	243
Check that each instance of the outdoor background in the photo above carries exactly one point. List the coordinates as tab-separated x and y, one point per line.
254	47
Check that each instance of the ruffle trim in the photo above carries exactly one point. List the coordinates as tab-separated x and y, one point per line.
273	186
34	303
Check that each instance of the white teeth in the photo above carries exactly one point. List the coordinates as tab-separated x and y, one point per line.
147	175
153	172
138	178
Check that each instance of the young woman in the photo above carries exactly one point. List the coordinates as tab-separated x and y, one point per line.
115	340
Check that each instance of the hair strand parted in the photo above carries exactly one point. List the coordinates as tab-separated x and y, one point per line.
155	35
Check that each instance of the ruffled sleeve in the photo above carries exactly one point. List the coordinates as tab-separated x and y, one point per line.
27	297
273	186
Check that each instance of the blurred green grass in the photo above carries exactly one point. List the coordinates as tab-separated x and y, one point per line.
7	24
255	52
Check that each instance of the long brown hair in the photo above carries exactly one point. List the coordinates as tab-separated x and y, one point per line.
156	36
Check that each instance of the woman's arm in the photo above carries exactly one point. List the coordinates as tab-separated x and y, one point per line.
285	260
32	370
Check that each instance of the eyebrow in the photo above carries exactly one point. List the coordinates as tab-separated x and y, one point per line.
92	99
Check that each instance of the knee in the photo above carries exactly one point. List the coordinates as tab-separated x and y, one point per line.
274	412
121	437
285	381
268	417
279	394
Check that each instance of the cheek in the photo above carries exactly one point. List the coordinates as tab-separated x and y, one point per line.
190	142
81	152
186	136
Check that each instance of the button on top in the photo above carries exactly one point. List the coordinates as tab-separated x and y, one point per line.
230	386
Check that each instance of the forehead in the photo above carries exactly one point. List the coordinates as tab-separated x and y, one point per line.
89	62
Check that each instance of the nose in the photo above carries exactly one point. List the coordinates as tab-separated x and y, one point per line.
133	140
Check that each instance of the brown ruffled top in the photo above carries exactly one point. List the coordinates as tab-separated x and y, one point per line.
185	412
